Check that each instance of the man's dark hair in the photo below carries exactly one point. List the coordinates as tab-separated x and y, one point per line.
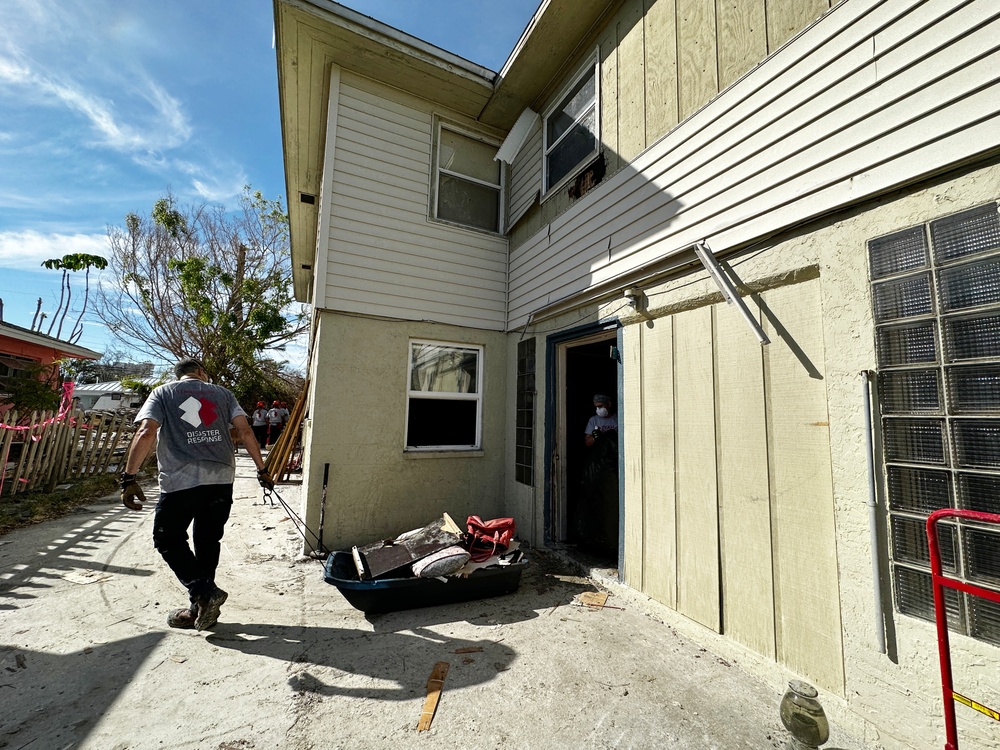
187	366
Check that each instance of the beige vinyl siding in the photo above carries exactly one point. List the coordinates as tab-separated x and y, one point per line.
385	256
868	99
525	175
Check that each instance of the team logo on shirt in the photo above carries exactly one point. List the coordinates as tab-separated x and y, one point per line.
198	411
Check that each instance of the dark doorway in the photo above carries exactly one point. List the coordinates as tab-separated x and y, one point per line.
592	503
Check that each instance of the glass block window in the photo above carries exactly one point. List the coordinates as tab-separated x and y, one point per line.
524	439
936	304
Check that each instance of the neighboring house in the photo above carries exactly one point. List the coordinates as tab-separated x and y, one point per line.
21	350
484	251
110	395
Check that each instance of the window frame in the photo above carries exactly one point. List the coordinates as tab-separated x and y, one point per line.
591	66
436	172
445	396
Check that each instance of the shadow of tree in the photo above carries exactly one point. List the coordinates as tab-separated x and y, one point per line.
74	556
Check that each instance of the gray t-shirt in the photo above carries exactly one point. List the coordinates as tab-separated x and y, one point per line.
193	445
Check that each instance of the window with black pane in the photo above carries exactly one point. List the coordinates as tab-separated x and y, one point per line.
524	438
444	407
936	304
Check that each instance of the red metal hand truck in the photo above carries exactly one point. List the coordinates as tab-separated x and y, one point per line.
939	582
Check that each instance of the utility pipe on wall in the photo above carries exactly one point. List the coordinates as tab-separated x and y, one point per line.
867	378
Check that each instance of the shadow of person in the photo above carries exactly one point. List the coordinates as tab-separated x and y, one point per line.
397	664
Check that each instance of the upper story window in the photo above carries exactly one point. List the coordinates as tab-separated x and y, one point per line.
468	181
444	405
571	128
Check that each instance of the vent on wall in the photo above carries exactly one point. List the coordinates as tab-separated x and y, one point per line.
307	198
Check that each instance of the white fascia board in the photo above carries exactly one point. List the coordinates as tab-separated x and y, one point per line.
517	136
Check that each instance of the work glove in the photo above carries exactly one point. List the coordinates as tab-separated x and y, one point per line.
132	497
264	479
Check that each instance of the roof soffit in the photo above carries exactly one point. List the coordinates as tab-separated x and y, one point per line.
547	46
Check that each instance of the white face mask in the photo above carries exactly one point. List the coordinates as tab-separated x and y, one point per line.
601	411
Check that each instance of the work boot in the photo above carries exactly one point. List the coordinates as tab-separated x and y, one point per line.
209	608
182	618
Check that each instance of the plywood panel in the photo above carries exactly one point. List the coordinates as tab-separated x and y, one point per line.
697	497
742	37
803	530
631	82
744	491
660	34
609	98
812	130
658	446
632	419
787	17
698	78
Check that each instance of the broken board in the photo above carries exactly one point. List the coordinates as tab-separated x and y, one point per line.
379	558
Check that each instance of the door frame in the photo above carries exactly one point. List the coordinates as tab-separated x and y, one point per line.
554	498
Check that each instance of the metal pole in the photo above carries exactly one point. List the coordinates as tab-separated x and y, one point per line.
866	378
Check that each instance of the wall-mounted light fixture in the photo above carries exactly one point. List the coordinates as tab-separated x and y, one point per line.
634	296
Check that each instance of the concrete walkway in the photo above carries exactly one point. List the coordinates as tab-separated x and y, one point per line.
88	661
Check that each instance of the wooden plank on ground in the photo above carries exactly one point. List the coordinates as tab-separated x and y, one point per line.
807	594
697	491
435	683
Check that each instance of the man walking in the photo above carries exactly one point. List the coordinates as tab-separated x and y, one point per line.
189	421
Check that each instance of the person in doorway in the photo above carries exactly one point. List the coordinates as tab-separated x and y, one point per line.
259	418
275	422
603	420
597	517
189	420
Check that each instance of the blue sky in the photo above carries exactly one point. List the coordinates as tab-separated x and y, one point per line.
107	104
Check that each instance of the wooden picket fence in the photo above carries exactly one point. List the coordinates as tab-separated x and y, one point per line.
62	448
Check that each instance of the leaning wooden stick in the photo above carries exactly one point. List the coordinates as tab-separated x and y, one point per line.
434	685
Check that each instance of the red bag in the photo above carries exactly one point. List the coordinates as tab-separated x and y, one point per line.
488	538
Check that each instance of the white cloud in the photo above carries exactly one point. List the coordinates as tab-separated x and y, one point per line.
29	249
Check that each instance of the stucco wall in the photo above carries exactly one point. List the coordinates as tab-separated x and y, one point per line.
356	423
895	699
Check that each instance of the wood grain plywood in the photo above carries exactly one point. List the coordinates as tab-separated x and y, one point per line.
609	98
631	82
742	34
697	496
698	78
808	628
744	490
658	446
632	445
785	18
660	34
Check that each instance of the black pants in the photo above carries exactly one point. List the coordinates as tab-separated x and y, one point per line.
260	432
275	433
208	508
